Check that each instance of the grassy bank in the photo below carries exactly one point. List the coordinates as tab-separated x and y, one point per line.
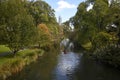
4	49
10	65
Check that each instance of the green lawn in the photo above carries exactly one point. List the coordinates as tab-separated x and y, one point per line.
21	54
4	49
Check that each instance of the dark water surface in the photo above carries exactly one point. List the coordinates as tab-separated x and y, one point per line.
70	66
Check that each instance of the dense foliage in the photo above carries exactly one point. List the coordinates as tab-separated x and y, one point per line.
25	23
98	25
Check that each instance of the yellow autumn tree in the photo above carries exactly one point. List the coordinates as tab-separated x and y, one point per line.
44	36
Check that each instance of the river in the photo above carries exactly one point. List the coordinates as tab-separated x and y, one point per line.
70	66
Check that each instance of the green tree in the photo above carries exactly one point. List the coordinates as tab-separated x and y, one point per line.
85	27
41	11
44	14
17	24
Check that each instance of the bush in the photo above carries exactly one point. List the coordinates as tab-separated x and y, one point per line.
110	55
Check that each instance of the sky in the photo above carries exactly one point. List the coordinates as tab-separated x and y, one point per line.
64	8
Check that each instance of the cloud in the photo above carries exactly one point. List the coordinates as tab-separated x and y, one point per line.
62	4
89	7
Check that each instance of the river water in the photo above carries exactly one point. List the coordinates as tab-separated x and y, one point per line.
70	66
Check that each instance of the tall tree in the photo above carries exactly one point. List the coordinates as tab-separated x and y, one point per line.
41	11
103	15
17	24
44	36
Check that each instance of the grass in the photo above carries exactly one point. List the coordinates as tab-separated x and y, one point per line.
10	65
3	60
4	49
21	54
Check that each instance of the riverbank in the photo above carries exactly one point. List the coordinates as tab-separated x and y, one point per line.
9	65
71	66
109	55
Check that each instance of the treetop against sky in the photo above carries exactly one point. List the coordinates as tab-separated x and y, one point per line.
64	8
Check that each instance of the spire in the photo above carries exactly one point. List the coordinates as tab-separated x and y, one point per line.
59	20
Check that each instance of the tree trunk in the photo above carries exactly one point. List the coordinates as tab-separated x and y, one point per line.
39	45
15	51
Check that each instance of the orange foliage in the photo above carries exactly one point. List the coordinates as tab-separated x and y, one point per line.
43	28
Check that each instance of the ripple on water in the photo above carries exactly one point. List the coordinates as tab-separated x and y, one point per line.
67	63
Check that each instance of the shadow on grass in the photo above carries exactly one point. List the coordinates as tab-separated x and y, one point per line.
6	54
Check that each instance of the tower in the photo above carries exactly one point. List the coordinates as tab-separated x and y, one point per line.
59	20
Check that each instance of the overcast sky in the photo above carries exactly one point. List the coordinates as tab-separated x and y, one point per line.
64	8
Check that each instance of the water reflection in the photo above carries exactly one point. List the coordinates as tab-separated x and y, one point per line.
67	64
70	66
